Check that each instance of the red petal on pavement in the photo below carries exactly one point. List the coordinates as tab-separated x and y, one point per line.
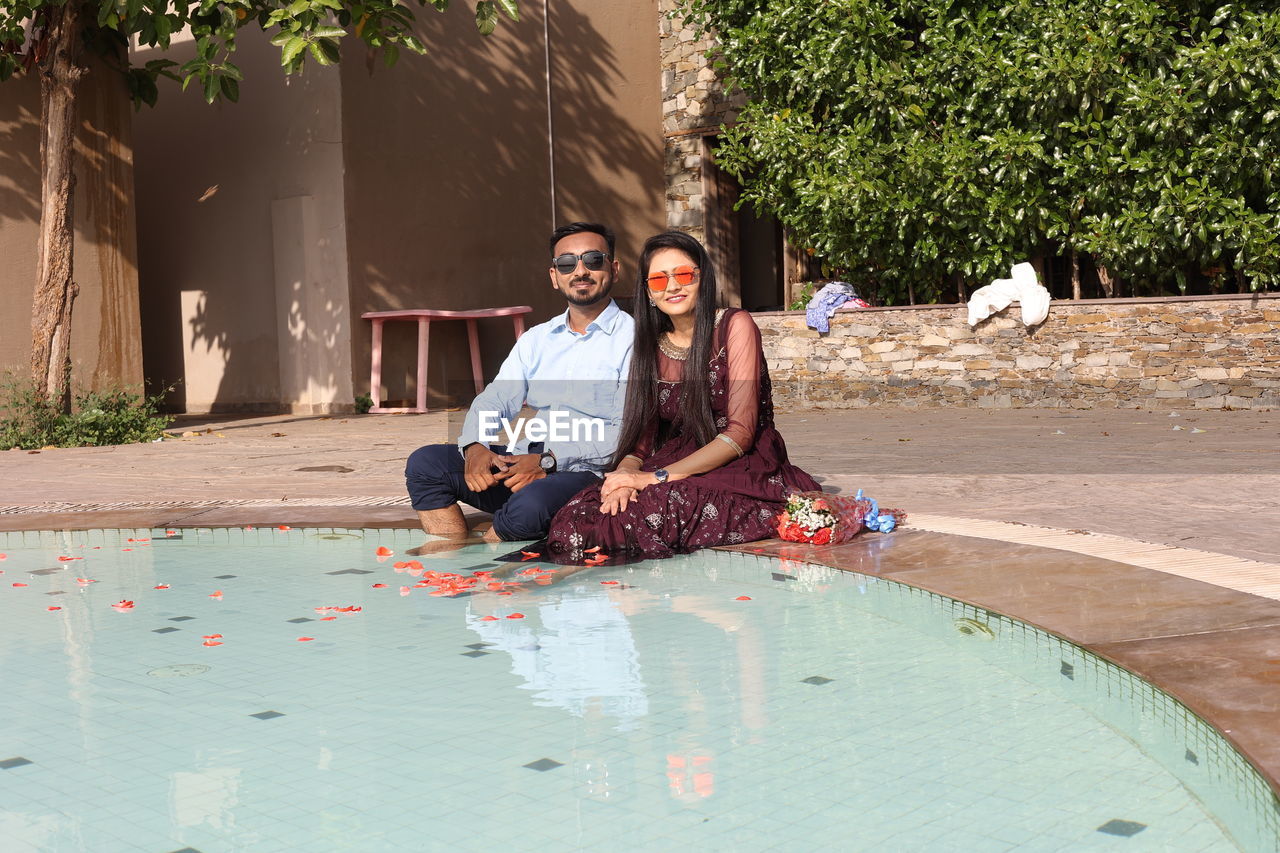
305	639
383	551
211	643
743	598
19	584
161	586
488	618
379	586
515	615
53	608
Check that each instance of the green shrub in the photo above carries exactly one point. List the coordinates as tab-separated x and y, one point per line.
363	404
918	141
31	421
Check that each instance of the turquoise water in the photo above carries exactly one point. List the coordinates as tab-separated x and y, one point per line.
827	712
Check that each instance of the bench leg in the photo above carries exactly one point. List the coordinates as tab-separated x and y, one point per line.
477	372
424	332
518	321
375	370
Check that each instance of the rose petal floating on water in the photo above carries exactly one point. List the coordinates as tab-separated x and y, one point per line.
305	639
404	590
383	551
19	584
379	586
122	606
743	598
594	549
211	643
68	559
488	618
506	593
211	636
4	556
171	533
217	593
515	615
53	608
327	618
126	549
283	527
85	581
161	586
530	555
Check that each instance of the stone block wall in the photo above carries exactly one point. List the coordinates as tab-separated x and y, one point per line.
694	105
1177	353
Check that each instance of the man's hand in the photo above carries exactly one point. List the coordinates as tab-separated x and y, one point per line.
520	471
481	463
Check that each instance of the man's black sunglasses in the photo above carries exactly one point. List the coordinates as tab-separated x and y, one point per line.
568	262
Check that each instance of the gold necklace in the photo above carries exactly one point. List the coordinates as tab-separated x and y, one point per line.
670	350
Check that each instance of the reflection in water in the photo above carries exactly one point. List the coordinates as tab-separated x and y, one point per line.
577	651
207	798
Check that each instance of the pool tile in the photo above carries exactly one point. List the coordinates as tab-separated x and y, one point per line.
543	764
1124	828
267	715
182	618
165	630
17	761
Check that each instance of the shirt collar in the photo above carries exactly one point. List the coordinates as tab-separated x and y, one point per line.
607	322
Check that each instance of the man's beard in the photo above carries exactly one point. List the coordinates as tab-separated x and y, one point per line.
584	301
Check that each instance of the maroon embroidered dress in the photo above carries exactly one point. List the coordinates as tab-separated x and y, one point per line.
737	502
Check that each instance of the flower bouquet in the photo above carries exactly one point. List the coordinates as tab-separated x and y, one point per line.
822	519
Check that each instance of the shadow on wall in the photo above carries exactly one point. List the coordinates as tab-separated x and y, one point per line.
448	172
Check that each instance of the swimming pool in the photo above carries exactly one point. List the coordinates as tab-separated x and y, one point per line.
720	701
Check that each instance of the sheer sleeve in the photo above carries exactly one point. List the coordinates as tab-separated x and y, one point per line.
744	351
644	445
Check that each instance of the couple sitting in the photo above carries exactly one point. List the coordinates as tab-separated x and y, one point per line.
688	451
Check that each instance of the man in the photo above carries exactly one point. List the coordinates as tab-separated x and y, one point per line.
570	370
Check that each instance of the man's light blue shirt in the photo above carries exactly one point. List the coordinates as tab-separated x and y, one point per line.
574	382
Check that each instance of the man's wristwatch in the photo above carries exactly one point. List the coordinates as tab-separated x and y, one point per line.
548	462
661	475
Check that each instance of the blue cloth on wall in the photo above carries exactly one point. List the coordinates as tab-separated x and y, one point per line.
817	314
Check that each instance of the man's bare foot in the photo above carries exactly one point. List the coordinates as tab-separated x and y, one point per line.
491	535
442	546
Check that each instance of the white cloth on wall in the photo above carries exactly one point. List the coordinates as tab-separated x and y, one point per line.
1022	288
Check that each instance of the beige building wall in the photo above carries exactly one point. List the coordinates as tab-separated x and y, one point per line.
449	171
106	347
243	244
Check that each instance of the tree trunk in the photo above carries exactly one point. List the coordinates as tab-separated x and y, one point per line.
1104	278
55	292
1075	275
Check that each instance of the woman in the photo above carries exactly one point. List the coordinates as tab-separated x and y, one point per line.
699	462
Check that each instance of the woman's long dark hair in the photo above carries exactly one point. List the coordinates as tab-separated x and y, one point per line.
642	386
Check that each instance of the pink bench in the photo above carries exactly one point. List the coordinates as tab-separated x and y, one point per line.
424	317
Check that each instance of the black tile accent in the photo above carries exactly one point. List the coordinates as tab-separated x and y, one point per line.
532	648
477	645
478	653
224	577
543	764
182	619
350	572
267	715
1123	828
185	850
46	571
1192	757
816	679
779	576
57	592
300	620
165	630
1068	670
16	761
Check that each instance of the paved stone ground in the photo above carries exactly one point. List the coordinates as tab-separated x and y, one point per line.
1123	472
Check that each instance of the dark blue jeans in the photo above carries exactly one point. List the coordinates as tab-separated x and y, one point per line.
435	478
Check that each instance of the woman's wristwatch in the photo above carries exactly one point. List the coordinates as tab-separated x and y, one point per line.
661	475
548	462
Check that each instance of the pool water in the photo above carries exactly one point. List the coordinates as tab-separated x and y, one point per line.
714	702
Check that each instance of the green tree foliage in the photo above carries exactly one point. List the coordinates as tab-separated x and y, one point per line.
302	29
914	140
